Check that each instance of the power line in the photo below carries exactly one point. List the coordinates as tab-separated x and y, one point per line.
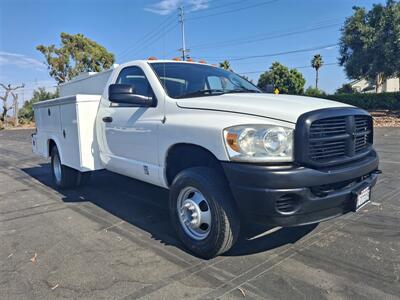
265	37
233	10
217	7
152	38
273	54
300	67
189	6
148	36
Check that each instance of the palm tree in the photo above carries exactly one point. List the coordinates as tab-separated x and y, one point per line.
225	65
317	63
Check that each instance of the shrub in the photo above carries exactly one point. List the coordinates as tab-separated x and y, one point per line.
314	92
345	89
369	101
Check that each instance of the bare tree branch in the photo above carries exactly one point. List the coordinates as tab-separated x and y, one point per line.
10	90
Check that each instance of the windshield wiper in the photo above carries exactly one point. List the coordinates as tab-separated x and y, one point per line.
241	91
206	92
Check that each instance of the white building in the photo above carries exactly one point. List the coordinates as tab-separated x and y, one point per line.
364	86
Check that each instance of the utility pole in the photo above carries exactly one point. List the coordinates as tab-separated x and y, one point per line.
182	21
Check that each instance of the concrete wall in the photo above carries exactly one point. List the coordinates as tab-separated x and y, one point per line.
390	85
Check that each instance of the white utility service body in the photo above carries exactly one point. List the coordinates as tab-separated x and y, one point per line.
280	159
69	122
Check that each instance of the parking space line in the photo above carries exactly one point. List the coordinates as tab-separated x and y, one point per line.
246	276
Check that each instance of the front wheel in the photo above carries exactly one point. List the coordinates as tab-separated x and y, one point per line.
203	212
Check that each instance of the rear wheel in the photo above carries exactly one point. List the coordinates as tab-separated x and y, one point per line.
63	176
203	212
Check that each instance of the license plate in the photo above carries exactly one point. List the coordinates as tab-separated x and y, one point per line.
363	197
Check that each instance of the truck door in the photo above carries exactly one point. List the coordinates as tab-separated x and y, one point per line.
130	132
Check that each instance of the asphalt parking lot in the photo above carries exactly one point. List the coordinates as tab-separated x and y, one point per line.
112	240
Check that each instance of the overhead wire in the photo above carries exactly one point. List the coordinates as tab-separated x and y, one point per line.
300	67
232	10
149	36
249	40
272	54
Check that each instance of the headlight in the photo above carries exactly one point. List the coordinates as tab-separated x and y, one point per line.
259	143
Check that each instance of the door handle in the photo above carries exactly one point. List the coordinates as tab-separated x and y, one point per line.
107	119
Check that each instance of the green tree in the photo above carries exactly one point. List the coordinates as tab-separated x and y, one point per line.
317	63
41	94
314	92
76	54
370	43
285	80
346	88
225	65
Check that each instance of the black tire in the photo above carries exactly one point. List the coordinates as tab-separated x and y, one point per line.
68	177
225	224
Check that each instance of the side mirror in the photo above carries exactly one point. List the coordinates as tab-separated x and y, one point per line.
126	94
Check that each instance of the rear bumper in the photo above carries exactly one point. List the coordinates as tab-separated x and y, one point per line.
290	195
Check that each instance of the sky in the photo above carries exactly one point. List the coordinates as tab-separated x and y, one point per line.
251	34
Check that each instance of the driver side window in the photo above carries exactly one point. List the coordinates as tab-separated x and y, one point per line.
136	77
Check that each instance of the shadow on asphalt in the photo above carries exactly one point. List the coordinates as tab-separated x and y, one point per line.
145	206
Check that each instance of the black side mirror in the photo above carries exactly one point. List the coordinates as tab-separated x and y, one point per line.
126	94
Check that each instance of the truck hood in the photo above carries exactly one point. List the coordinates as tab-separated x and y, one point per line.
282	107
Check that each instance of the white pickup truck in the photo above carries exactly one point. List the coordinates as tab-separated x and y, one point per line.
222	147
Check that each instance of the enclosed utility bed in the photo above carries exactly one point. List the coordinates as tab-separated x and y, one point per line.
69	122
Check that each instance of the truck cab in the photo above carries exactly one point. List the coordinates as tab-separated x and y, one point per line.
223	148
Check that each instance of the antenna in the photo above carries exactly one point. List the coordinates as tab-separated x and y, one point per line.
182	21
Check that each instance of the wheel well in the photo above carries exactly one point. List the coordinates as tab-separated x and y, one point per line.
183	156
52	143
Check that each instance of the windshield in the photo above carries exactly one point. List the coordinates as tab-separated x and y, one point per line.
185	80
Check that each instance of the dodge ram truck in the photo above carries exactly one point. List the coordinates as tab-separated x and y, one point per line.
225	150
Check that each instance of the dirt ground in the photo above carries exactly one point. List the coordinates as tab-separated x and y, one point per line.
386	118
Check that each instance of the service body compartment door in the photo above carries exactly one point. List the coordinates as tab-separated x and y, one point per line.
39	138
50	119
69	138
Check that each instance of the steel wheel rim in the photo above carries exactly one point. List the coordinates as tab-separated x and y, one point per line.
57	168
194	213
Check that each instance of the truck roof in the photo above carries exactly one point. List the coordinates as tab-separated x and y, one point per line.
167	61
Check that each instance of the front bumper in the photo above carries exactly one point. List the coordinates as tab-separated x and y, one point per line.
292	195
